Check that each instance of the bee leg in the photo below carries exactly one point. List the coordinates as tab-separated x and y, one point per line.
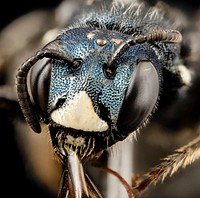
181	158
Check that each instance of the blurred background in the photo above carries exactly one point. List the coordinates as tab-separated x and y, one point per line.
28	166
8	15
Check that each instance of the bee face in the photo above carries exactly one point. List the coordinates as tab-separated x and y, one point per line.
99	81
94	98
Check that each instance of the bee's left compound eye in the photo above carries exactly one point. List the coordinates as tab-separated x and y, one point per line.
141	97
38	83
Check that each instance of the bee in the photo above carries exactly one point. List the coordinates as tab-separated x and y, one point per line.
110	73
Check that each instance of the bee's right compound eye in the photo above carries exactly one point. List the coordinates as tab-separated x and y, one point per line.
141	97
38	82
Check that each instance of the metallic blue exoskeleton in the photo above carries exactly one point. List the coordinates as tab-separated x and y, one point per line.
100	79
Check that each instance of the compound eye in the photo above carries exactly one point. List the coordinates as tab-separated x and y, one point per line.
140	99
38	83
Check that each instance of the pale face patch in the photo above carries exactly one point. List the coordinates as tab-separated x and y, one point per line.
79	114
